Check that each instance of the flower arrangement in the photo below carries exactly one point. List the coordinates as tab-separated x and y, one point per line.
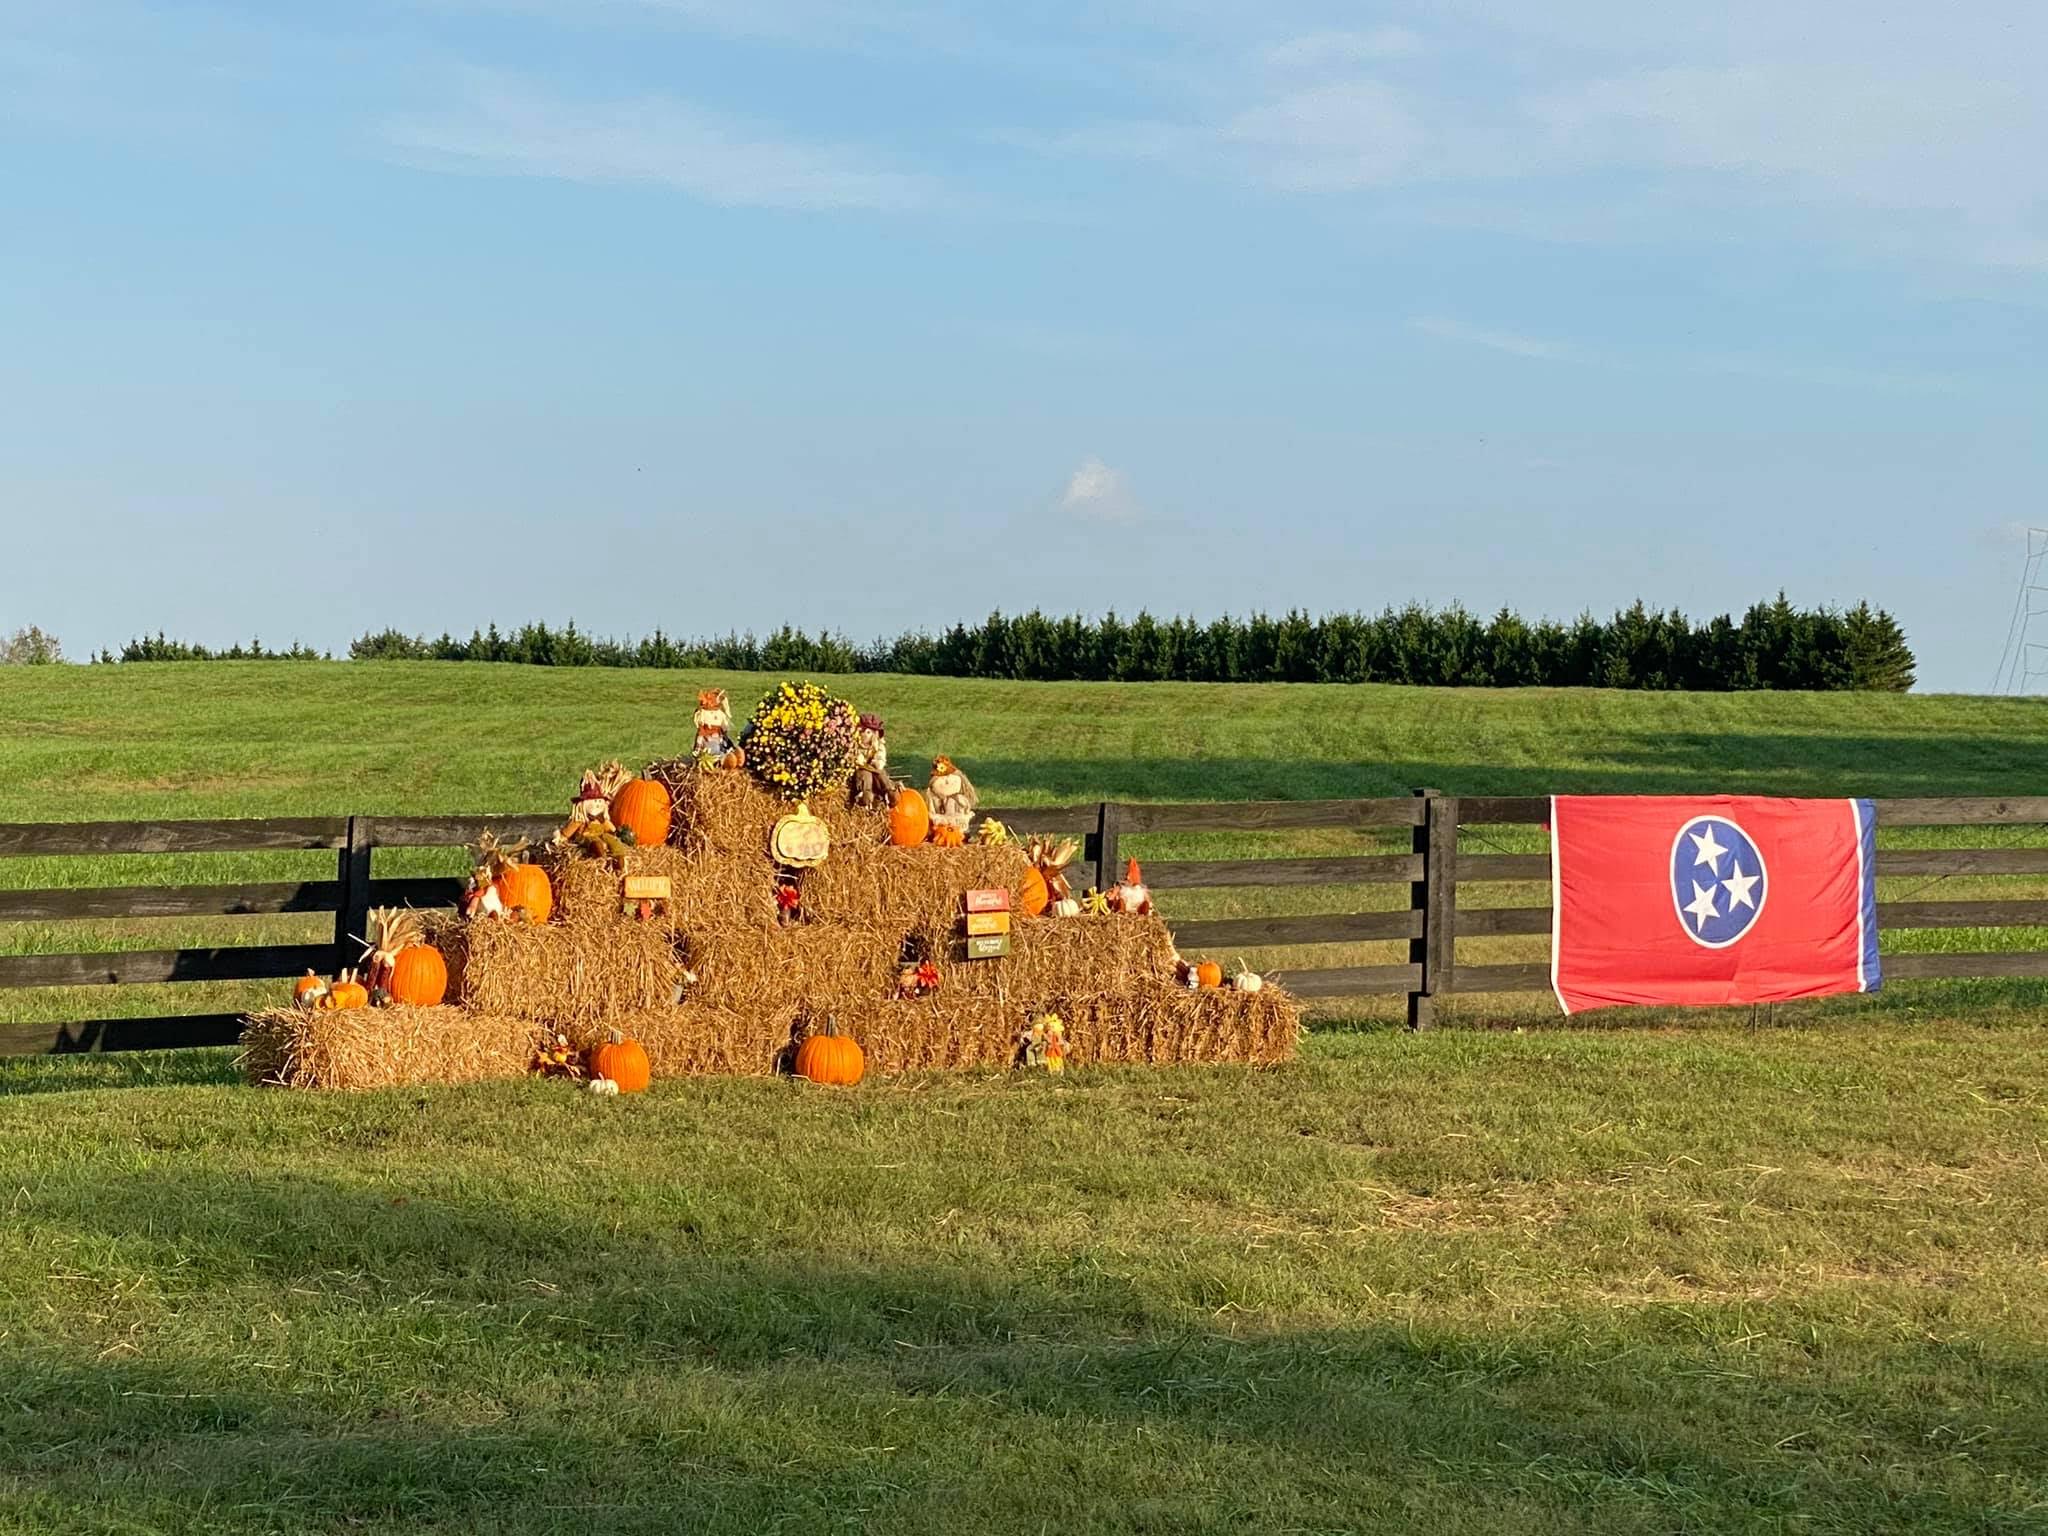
556	1057
801	739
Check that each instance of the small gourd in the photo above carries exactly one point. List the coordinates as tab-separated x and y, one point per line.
347	992
948	836
1209	974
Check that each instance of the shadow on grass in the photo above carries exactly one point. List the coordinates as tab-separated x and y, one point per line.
1720	762
403	1361
71	1072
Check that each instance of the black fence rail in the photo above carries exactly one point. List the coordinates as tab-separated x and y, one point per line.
1437	872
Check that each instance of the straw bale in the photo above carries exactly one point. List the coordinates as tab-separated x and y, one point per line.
358	1048
728	812
704	1037
561	974
1161	1026
587	888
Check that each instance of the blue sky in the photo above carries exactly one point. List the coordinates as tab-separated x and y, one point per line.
320	317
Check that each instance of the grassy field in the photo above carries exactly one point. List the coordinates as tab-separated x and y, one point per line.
272	739
1789	1280
1624	1280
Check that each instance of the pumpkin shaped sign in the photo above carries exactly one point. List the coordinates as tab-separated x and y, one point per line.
800	840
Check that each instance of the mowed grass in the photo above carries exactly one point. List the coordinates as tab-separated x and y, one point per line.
206	740
1708	1279
1786	1280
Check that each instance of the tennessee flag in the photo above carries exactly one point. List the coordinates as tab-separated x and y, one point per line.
1710	900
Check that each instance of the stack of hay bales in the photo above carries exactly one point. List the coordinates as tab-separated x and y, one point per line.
762	982
724	981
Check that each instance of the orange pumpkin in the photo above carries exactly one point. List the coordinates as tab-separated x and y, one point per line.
419	977
831	1058
1209	974
624	1062
308	990
526	886
949	837
347	992
910	820
1032	894
642	808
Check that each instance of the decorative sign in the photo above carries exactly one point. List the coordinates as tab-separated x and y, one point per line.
987	922
990	946
800	840
997	900
647	888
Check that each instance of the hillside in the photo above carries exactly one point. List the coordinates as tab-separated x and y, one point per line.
216	739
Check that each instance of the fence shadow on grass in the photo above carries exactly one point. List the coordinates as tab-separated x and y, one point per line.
1681	763
193	1067
387	1361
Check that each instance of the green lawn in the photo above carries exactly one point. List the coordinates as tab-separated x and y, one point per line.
1716	1281
1628	1279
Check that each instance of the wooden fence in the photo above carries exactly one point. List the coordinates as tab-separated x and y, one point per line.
1440	865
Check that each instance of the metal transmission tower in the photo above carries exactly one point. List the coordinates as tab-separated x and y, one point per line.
2024	661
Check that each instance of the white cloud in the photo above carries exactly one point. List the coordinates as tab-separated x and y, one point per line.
1890	125
1094	490
1495	341
504	127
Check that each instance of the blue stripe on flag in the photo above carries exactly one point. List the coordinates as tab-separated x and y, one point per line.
1866	829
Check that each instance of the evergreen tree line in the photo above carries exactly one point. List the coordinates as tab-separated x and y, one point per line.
1772	646
157	648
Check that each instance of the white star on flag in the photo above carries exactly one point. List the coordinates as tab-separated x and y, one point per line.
1702	904
1738	886
1710	851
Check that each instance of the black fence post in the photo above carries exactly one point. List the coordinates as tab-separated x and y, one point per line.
1107	816
1421	898
352	911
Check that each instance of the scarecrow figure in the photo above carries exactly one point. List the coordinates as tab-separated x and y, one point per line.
952	796
1043	1044
714	730
871	785
589	829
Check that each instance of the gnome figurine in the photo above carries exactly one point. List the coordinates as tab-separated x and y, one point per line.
1133	897
871	785
952	796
